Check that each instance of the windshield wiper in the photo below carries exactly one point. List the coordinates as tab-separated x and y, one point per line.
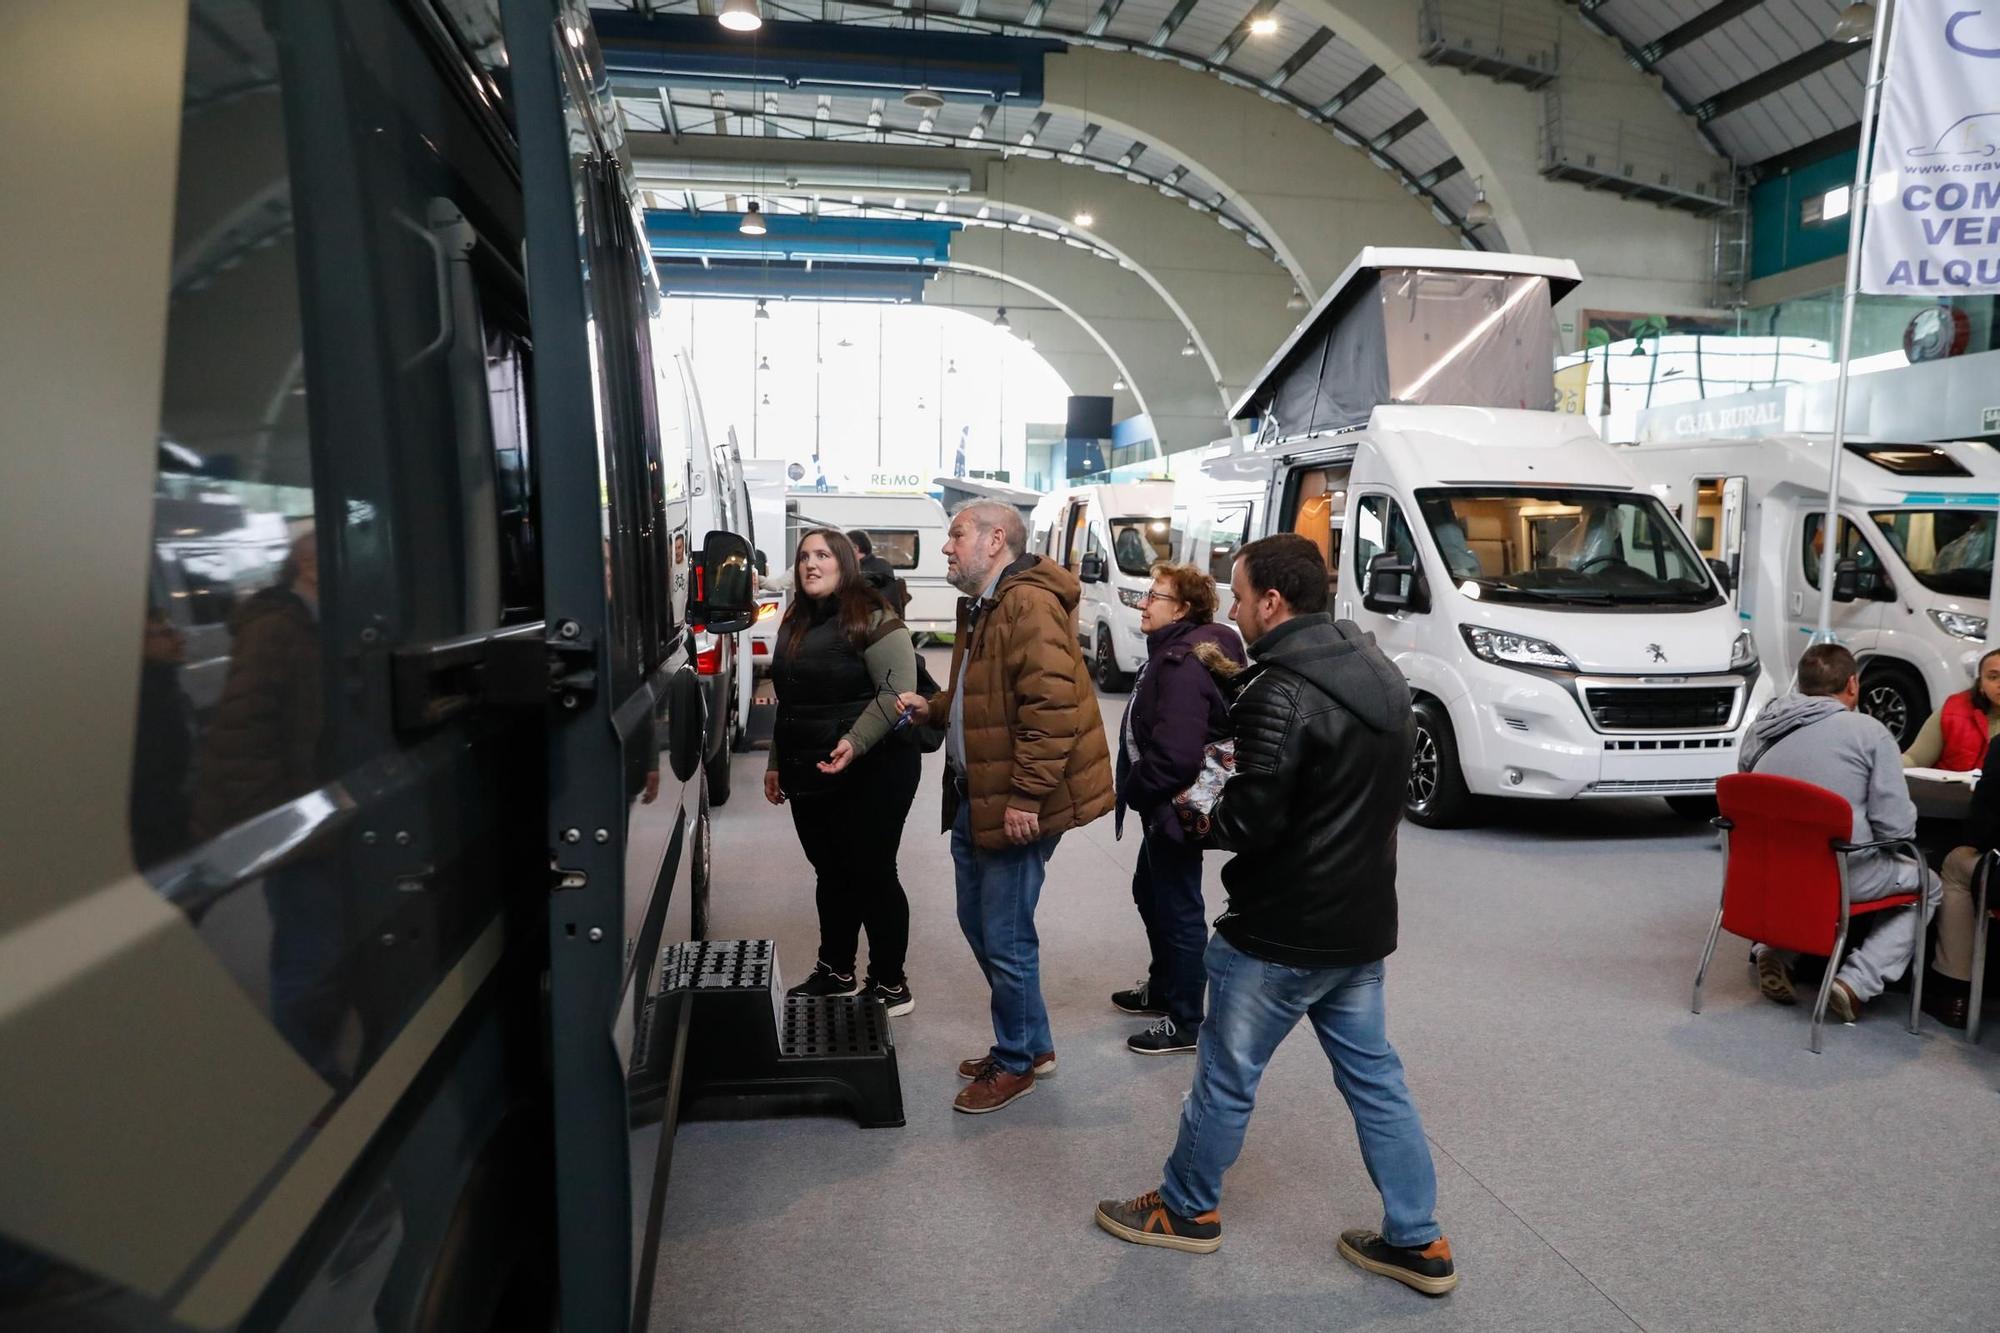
1578	597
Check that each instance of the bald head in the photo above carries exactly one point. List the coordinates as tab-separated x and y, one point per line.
993	516
985	537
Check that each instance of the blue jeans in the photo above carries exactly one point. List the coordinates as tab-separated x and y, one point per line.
1252	1006
1166	886
997	893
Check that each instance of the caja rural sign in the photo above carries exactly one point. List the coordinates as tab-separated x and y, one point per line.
1933	221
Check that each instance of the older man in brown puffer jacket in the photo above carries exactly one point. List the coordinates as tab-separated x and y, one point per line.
1025	761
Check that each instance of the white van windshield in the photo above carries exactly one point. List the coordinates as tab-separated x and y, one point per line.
1949	550
1137	544
1566	547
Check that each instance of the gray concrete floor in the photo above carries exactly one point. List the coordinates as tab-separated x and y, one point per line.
1606	1160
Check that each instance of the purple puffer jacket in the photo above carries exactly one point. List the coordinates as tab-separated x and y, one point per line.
1176	709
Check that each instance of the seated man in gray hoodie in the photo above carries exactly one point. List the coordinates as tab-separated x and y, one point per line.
1815	735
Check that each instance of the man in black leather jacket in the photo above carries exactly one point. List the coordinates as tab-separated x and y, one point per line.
1323	739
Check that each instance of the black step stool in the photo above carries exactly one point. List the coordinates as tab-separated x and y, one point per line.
752	1049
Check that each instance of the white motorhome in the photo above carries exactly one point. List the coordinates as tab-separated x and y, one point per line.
908	531
1561	634
1915	558
1110	536
1218	508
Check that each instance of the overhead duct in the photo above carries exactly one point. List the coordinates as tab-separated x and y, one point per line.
765	178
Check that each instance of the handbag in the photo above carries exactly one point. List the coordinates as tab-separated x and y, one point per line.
1194	806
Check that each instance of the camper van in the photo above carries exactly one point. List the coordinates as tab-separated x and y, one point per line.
1915	564
908	531
1110	537
1561	634
1217	508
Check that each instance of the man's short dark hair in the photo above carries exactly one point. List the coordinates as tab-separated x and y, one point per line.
1825	669
1291	564
862	546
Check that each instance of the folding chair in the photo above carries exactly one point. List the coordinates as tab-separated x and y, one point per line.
1784	878
1983	914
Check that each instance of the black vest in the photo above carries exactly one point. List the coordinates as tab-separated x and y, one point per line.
822	685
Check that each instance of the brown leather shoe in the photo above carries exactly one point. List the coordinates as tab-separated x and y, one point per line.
993	1089
1045	1065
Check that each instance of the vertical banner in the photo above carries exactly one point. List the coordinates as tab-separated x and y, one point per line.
1572	385
1933	221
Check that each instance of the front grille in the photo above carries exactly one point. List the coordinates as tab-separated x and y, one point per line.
1662	708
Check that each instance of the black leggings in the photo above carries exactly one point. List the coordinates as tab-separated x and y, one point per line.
851	834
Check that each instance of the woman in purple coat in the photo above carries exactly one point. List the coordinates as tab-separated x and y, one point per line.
1177	708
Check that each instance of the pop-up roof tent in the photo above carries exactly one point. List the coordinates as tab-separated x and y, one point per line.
1457	327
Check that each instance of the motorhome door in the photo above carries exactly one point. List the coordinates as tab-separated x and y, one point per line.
1854	622
1717	527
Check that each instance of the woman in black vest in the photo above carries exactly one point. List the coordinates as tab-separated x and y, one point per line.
842	658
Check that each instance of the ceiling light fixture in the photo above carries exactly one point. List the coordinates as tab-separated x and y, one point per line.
1000	321
762	313
1118	385
1481	212
767	400
1855	24
1084	217
1188	348
922	98
1296	301
951	367
1263	26
740	16
1028	341
763	363
753	220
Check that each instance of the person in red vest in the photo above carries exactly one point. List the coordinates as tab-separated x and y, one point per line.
1955	737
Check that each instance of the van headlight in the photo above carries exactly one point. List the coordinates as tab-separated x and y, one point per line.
1504	649
1958	624
1742	653
1135	600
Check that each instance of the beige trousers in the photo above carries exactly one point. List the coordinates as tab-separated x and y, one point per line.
1954	919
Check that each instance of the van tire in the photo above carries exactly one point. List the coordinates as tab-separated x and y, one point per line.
1436	796
700	872
1104	662
1895	696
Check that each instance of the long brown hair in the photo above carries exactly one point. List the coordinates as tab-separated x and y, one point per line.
1978	691
857	601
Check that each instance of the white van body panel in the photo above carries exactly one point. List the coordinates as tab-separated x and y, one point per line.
764	479
1523	731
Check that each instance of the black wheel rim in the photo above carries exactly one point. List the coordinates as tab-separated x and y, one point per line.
1105	663
1423	769
1886	704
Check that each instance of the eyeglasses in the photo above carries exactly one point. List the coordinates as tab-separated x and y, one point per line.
1150	596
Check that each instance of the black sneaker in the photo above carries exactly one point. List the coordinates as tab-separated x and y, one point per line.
1147	1220
1163	1038
896	999
1427	1268
825	981
1138	1000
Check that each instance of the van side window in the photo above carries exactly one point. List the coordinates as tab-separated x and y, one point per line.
1853	546
898	546
231	709
1379	526
1231	529
1318	502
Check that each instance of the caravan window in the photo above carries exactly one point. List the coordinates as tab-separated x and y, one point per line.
1853	546
1316	505
899	546
1230	530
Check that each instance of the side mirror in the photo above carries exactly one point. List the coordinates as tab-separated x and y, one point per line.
1092	569
1722	575
1393	586
1846	581
724	599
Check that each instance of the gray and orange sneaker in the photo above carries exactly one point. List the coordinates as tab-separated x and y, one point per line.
1427	1268
1147	1220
